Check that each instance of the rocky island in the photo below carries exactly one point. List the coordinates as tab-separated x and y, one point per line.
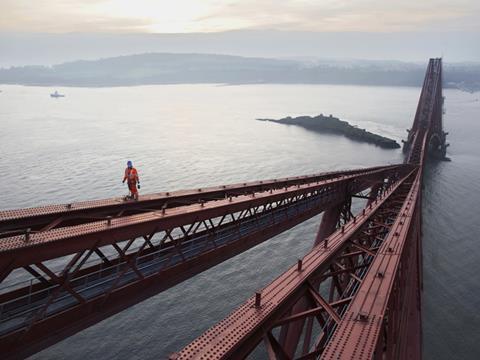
333	125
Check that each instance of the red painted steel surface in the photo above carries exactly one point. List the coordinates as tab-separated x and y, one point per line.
359	338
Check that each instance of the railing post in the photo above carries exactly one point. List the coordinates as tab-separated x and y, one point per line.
258	299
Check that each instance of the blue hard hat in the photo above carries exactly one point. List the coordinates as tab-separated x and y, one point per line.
129	163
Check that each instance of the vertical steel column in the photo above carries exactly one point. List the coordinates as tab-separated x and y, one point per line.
290	334
329	223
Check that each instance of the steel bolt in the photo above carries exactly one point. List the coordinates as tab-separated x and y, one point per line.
362	317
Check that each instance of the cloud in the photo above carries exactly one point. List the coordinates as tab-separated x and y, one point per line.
360	15
65	16
220	15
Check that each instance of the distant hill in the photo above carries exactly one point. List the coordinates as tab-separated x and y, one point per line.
165	68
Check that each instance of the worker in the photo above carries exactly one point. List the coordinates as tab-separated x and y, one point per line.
131	175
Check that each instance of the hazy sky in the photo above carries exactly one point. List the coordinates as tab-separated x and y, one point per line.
184	16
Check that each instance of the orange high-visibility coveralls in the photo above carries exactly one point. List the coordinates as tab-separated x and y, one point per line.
131	175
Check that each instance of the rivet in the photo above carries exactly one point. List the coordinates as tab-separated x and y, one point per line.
299	265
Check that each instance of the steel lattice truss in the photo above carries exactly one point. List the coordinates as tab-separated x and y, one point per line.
356	295
325	282
111	263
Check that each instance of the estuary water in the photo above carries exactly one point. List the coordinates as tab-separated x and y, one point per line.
184	136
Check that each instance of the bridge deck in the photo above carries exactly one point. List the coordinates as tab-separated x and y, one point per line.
53	216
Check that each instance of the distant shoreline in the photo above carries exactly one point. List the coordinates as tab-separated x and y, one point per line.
53	85
332	125
176	69
100	86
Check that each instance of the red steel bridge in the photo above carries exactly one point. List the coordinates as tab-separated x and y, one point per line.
355	295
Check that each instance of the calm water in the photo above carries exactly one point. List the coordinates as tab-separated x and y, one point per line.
182	136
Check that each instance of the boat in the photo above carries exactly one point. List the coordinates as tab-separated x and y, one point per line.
56	95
